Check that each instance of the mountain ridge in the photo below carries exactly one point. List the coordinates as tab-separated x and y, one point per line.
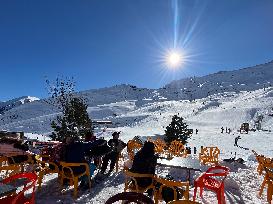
115	101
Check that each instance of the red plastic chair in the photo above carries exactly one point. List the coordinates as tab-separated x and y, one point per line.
212	179
20	198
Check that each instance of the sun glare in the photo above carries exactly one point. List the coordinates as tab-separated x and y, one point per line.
174	59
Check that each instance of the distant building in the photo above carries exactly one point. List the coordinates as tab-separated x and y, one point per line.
102	123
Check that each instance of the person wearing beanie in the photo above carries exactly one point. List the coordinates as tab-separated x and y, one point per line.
116	146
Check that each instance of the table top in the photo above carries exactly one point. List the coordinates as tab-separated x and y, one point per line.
179	162
6	189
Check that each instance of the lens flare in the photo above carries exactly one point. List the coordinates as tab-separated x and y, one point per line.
174	59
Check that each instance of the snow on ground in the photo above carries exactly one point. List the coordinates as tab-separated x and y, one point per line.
208	115
33	136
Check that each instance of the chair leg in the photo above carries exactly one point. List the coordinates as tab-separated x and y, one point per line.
156	197
269	192
75	187
61	179
40	179
194	194
262	186
89	181
219	197
201	191
117	165
223	197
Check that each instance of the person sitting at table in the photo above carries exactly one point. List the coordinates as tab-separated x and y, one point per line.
144	163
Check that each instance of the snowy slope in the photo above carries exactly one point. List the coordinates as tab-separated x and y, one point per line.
208	115
145	112
246	79
118	103
5	106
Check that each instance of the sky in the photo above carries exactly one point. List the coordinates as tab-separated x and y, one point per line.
101	43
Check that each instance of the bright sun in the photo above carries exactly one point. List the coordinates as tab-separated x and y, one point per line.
174	59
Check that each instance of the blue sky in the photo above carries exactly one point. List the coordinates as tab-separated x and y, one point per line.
106	42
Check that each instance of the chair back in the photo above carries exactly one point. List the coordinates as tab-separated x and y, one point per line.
128	197
43	161
159	145
174	185
67	173
177	148
132	147
67	170
219	172
29	183
131	181
209	155
14	168
262	163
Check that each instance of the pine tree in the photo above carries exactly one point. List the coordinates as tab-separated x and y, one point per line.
74	121
177	130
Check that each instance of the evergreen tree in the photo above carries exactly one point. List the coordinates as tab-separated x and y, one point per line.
177	130
74	121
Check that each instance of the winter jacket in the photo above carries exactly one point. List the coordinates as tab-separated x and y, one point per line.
116	145
75	153
100	148
144	164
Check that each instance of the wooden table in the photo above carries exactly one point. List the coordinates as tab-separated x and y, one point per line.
6	189
188	164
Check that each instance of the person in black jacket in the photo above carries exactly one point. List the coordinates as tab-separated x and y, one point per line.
74	152
145	163
99	151
116	146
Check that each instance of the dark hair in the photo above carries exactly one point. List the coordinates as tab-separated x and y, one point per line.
115	133
148	148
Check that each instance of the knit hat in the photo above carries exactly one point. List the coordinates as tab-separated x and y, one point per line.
115	133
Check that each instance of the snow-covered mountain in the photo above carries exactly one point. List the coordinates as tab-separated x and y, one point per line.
5	106
208	103
128	105
247	79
